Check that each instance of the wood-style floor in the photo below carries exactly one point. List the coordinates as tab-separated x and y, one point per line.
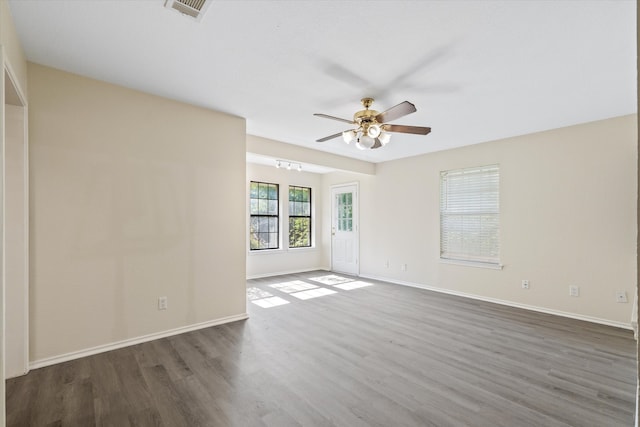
346	354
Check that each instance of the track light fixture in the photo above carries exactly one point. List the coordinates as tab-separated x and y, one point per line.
289	165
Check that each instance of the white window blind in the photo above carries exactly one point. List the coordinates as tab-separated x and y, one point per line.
470	214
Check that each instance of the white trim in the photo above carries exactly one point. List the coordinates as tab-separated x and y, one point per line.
281	273
133	341
262	252
507	303
478	264
303	249
8	69
637	403
345	184
14	81
26	236
281	251
3	302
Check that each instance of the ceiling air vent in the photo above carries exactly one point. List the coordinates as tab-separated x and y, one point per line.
192	8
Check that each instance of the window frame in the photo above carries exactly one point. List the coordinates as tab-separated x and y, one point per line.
265	215
479	216
309	215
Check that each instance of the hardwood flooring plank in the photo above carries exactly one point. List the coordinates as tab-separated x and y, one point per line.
380	355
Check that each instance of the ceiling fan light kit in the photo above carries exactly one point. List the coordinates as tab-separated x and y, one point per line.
349	135
372	131
365	142
384	138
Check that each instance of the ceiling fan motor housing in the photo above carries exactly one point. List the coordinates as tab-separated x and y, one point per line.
365	119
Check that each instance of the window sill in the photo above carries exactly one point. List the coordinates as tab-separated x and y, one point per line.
281	251
265	252
309	249
478	264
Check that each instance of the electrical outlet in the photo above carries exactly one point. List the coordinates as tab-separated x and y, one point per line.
525	284
162	303
403	267
574	291
621	296
386	263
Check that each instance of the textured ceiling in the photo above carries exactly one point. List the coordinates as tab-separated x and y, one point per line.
476	70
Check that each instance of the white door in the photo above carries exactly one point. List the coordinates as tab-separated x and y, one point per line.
344	229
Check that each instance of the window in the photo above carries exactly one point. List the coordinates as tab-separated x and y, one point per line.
299	217
469	214
344	212
264	230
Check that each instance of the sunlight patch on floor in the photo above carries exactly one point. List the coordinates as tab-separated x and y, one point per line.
294	286
313	293
331	279
353	285
257	293
302	290
270	302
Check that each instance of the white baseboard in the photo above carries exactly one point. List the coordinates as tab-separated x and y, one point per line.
282	273
505	302
41	363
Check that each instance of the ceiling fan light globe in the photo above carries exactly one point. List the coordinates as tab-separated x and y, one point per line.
384	138
348	136
374	131
366	141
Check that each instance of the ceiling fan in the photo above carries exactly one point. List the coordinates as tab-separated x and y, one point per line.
372	130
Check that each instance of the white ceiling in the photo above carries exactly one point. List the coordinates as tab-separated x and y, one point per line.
476	70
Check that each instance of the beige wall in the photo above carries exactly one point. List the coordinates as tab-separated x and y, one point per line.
14	61
271	148
568	216
132	197
284	260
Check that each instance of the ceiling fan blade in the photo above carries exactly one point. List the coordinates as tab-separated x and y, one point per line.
377	144
326	138
351	122
418	130
396	112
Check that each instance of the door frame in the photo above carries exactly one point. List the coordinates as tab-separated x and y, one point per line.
9	78
356	222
